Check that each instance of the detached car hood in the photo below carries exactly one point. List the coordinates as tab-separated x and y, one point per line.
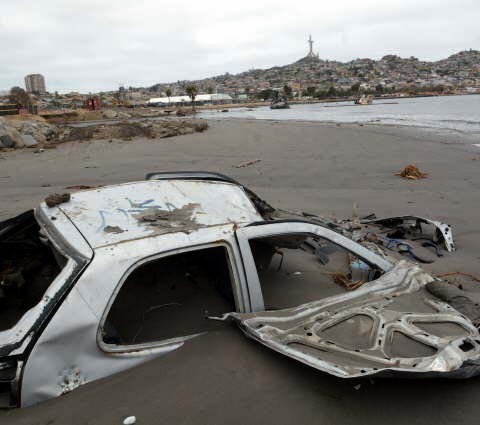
388	326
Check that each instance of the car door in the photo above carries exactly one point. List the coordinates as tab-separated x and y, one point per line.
326	301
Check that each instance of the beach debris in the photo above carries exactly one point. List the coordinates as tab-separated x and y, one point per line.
397	245
342	279
247	163
412	226
411	172
57	199
355	223
470	275
81	187
113	229
129	420
431	244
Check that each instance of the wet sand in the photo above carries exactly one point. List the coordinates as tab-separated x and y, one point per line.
322	168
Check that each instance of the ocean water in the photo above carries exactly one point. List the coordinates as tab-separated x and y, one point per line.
459	113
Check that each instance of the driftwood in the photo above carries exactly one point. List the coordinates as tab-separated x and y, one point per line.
248	163
470	275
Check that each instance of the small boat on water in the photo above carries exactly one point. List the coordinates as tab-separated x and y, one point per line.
364	100
279	104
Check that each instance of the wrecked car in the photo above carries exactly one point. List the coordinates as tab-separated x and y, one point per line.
107	278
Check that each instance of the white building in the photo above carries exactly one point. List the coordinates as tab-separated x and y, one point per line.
201	98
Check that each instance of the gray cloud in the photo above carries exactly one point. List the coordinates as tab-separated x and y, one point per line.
92	45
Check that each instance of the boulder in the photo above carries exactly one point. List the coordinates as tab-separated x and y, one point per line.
3	128
10	138
48	130
36	130
6	141
16	124
29	141
16	137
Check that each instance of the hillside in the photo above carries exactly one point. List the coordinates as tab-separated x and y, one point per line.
461	69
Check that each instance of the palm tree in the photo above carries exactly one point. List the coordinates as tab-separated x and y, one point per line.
168	92
192	91
287	91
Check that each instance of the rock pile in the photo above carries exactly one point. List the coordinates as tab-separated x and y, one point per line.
25	133
37	132
151	129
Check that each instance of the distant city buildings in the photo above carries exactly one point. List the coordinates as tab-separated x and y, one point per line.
35	83
311	75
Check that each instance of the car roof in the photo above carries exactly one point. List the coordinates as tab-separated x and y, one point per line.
119	213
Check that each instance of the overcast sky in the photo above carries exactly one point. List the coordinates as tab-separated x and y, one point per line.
93	45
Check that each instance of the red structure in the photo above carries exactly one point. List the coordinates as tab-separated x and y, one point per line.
92	103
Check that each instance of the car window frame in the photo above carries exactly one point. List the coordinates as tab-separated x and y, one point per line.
245	234
237	280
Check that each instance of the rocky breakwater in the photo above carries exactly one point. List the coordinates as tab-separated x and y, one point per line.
127	130
37	132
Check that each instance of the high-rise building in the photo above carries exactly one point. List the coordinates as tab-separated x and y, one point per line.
35	83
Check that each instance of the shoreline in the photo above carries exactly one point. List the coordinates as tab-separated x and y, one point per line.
462	138
458	117
372	124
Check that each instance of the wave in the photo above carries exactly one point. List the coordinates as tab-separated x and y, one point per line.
459	121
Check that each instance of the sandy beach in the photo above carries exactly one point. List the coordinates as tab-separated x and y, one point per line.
305	166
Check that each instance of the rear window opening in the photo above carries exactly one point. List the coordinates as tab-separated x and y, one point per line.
171	297
294	269
29	263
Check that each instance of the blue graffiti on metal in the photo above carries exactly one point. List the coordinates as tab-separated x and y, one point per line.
135	207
